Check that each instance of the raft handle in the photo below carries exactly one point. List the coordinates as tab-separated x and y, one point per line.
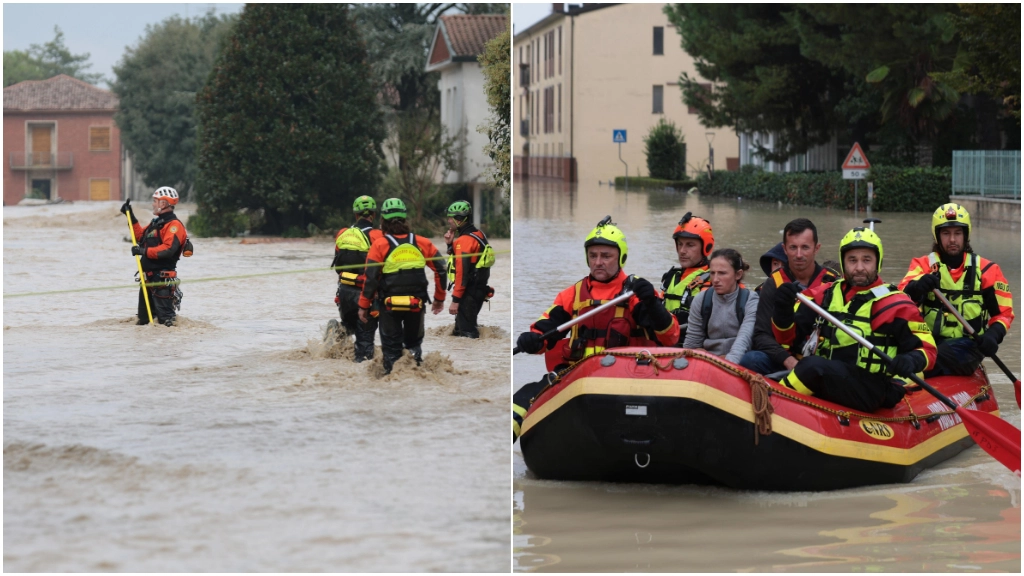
844	420
636	458
933	418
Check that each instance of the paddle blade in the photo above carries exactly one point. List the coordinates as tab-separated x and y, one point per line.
996	436
1016	391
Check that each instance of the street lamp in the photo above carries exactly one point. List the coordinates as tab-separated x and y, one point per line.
710	136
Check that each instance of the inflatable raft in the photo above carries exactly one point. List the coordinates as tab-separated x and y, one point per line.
667	415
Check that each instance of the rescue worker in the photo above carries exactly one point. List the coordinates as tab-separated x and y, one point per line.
800	244
640	321
351	244
396	278
469	268
694	242
975	286
834	366
160	245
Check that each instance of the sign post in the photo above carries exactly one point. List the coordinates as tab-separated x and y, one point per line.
619	137
855	168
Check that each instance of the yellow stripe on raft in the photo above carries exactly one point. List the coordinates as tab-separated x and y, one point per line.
741	409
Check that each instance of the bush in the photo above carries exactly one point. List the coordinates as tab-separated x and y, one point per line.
665	151
655	183
208	224
897	189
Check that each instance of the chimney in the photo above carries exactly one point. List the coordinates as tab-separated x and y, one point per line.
557	8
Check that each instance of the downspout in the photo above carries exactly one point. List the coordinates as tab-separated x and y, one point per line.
572	86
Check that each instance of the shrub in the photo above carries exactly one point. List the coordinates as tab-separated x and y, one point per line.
665	151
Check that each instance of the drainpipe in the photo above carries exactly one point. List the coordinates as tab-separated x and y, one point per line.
572	87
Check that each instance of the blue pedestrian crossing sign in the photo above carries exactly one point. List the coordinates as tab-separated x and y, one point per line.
619	136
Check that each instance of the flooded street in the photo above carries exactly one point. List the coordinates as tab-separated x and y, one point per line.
960	516
237	440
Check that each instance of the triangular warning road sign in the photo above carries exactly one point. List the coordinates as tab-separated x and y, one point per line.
856	160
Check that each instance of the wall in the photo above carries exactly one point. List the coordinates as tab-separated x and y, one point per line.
995	212
466	111
71	135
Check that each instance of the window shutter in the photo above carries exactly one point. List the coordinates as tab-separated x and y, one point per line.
99	138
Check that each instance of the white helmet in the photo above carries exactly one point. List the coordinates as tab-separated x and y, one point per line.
167	193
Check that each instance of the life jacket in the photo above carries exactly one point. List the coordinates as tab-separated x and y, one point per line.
708	304
779	277
964	295
835	344
612	328
485	260
152	237
352	246
680	292
404	271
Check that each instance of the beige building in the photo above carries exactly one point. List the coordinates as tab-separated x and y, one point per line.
580	74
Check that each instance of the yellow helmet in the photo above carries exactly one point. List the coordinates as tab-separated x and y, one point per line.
860	238
608	234
951	215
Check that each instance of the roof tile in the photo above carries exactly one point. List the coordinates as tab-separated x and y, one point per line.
469	32
61	92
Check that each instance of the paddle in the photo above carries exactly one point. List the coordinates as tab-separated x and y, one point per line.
624	296
970	332
138	262
996	436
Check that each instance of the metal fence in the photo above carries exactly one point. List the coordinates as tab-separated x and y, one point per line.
993	173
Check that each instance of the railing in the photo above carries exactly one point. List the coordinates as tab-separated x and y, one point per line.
42	161
524	75
993	173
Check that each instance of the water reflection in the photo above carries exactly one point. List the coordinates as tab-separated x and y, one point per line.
963	515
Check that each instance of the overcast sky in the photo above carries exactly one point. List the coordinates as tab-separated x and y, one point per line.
524	15
102	30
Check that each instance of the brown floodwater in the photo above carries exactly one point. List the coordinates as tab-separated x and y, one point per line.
960	516
237	441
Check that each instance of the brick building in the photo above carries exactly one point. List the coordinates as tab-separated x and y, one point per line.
60	141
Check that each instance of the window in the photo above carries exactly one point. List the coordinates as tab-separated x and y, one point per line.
99	189
657	105
707	89
99	138
659	40
559	108
559	50
549	109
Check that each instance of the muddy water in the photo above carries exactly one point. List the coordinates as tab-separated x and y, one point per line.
237	440
961	516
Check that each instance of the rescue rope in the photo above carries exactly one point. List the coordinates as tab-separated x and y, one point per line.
760	390
218	278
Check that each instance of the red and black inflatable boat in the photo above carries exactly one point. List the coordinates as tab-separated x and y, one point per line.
668	415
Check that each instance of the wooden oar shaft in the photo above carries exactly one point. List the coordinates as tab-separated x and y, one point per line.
621	297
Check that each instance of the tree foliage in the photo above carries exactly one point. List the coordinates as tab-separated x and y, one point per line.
157	81
497	68
289	125
665	151
42	61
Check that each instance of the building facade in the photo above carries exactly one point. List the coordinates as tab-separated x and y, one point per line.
821	157
457	43
60	141
581	74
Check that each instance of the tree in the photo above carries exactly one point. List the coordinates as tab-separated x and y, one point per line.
763	83
496	65
289	125
988	58
156	82
665	151
43	61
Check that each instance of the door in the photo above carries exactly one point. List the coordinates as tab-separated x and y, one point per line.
41	140
40	189
99	189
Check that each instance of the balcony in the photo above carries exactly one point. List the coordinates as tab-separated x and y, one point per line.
42	161
524	75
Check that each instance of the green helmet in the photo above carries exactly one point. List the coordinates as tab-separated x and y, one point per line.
393	208
364	204
608	234
860	238
460	210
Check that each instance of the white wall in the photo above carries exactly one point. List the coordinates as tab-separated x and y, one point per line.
464	109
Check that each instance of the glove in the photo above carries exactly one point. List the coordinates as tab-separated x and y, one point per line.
905	364
530	342
126	206
785	296
988	344
643	289
138	251
922	286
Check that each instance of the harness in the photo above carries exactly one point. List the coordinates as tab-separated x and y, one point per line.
613	327
353	245
964	295
403	273
709	302
151	238
837	345
680	292
484	260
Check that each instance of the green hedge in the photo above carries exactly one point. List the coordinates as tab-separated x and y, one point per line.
897	189
656	183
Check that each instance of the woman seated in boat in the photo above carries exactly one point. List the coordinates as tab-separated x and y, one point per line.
722	316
